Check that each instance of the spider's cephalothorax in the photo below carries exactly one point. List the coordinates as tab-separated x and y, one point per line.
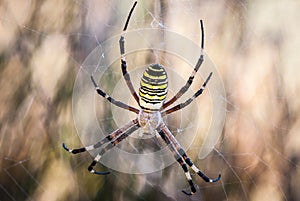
153	88
149	122
151	99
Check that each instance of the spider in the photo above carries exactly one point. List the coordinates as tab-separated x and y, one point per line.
151	99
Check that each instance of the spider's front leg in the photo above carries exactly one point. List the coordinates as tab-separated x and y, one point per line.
110	146
168	137
114	138
180	161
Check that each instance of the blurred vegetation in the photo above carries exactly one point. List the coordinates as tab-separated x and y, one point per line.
255	46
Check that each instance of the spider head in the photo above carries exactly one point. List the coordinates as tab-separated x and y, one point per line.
153	87
149	121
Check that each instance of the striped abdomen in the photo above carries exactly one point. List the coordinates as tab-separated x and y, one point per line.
153	88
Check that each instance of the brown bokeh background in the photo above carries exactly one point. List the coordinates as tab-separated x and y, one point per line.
255	46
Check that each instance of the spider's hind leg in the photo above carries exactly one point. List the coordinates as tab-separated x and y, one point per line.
123	58
112	100
189	82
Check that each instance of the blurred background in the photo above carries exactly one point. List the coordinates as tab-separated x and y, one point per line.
254	46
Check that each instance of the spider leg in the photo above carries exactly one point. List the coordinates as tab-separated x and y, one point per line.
180	161
113	143
188	101
123	59
111	100
191	78
114	135
182	153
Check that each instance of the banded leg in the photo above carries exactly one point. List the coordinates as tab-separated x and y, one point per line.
182	153
180	161
191	78
188	101
111	100
196	170
114	135
108	147
123	59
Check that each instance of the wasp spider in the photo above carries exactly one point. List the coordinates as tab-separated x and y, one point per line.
151	99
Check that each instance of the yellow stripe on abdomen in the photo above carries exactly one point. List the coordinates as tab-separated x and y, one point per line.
153	87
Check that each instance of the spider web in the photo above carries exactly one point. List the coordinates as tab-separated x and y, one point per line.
250	45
